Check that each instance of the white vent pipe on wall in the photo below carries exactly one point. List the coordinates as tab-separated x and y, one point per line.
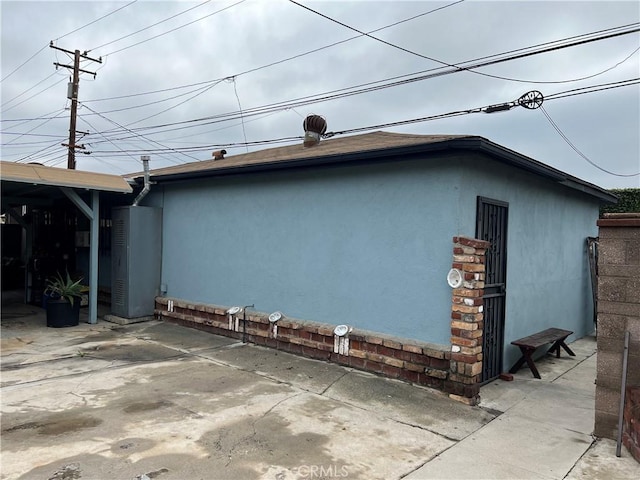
147	182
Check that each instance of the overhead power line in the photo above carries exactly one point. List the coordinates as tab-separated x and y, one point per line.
575	149
139	135
406	50
374	86
150	26
528	101
23	64
315	50
65	35
174	29
27	90
96	20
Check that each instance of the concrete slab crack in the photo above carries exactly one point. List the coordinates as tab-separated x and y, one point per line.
334	382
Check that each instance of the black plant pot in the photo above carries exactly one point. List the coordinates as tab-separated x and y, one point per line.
60	313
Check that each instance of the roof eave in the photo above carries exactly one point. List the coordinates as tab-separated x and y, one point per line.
474	143
346	159
526	163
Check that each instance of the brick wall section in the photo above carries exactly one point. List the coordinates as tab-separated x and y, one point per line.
618	312
417	362
467	320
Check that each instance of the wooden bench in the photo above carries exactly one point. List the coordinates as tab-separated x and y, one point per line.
528	345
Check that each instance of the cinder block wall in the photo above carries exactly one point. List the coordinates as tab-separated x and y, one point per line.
618	312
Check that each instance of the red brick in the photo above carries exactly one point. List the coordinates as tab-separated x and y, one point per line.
270	342
374	366
369	347
293	348
314	353
464	325
456	315
402	355
459	357
433	353
357	353
472	317
391	371
355	344
436	373
410	376
442	364
466	292
471	242
464	309
386	351
374	357
373	340
471	350
414	367
394	362
420	359
412	348
392	344
357	362
465	342
471	334
473	267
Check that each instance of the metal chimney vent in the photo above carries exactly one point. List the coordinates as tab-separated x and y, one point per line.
219	154
314	127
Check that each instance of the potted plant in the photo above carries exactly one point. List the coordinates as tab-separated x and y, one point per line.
63	301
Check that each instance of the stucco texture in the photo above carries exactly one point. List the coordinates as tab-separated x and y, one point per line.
370	245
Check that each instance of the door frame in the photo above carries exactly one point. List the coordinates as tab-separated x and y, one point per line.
494	291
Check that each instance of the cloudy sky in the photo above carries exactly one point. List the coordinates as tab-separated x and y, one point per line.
175	75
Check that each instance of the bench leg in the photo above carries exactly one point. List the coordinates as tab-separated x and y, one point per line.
556	348
566	348
526	357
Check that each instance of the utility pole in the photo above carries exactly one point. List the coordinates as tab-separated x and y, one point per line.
72	94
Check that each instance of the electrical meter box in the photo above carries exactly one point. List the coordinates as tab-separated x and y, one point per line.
136	256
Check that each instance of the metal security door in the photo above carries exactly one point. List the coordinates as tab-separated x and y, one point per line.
491	225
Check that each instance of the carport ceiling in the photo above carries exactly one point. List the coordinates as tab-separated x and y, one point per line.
27	184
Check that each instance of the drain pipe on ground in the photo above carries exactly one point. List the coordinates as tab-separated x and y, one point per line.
623	388
147	182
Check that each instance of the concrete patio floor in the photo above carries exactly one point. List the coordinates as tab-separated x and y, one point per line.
156	400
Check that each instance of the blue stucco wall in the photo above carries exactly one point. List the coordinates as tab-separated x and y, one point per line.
548	283
370	246
367	246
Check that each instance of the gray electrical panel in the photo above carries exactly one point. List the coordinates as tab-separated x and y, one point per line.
136	256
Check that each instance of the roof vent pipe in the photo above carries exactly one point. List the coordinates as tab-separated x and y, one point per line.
314	127
219	154
147	182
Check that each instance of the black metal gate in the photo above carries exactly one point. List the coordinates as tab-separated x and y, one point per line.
491	225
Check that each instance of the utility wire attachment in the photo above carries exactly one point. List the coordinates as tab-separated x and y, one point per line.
531	100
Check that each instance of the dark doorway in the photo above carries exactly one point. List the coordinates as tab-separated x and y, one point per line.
491	225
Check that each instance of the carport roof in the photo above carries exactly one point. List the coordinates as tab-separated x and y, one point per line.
58	177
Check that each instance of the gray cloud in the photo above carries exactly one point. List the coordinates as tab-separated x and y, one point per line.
603	125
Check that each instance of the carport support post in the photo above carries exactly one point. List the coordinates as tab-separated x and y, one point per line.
93	214
93	254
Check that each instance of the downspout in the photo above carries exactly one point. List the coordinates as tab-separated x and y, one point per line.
147	182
